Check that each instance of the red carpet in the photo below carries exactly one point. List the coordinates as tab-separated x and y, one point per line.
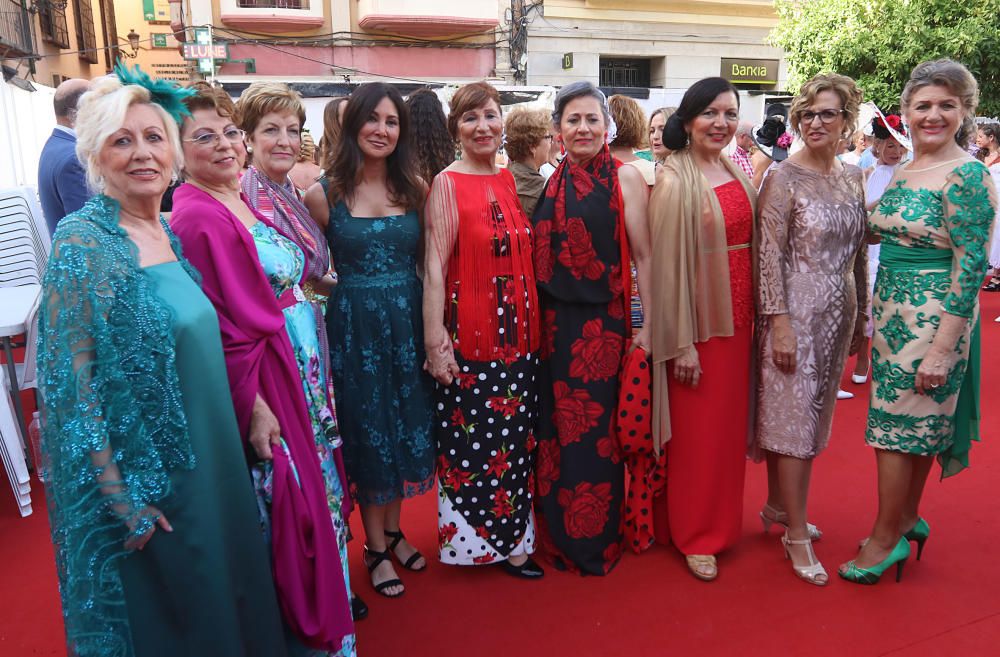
947	604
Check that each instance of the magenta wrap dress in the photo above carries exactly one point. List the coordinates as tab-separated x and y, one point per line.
259	360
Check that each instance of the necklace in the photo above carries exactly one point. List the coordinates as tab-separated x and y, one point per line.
934	166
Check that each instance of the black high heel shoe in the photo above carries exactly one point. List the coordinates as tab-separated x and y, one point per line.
993	285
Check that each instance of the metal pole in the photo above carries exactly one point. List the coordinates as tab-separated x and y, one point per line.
211	54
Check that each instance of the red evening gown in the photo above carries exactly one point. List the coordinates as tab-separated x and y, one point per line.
706	456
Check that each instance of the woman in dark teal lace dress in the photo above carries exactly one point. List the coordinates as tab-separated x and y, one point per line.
368	205
158	547
934	221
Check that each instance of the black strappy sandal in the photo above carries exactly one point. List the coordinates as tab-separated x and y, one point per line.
396	537
993	285
381	587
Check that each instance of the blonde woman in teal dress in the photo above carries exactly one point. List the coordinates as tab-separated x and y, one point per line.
934	221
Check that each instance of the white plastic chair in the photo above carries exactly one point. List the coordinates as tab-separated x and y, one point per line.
24	250
12	453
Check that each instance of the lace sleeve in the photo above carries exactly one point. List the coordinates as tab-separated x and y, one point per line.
969	211
105	468
773	211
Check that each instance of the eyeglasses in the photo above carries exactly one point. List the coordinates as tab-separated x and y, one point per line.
825	116
234	135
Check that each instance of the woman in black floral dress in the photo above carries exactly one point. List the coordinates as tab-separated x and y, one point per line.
591	214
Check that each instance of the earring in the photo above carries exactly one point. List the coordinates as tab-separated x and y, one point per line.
249	148
173	180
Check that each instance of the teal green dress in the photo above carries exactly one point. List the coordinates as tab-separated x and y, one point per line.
283	262
375	325
206	587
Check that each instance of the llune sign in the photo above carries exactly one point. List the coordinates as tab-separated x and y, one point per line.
750	71
218	51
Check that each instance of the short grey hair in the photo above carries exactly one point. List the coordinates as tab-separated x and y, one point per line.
101	113
957	79
581	89
745	128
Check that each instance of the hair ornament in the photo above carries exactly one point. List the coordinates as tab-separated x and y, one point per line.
166	94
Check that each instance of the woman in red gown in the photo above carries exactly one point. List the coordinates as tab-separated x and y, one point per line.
702	223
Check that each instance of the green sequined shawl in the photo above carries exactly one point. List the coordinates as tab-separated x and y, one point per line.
113	428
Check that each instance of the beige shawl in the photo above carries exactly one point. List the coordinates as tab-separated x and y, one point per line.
691	300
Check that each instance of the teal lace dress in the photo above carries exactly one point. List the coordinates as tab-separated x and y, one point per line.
282	262
374	322
935	229
137	398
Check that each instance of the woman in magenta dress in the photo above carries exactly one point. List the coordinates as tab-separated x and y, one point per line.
702	223
592	215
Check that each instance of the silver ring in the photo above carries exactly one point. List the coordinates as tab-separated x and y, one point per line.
935	385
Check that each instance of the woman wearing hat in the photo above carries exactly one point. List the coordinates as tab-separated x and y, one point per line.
889	152
772	142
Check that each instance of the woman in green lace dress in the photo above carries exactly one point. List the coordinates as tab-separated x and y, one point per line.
934	221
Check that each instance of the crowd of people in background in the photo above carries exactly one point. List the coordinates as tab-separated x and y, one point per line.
546	344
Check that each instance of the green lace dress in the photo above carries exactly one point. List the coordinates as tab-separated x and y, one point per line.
935	229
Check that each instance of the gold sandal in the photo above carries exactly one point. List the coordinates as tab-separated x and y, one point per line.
698	563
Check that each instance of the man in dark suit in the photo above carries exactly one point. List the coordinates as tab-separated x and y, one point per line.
62	181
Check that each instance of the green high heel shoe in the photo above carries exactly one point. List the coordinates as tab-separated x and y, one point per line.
919	534
872	575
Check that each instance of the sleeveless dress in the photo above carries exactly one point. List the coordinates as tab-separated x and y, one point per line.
935	230
206	587
282	262
706	456
375	326
486	417
811	264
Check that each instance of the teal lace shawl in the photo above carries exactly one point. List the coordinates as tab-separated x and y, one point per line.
114	426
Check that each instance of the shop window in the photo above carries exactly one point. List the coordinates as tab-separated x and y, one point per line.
621	72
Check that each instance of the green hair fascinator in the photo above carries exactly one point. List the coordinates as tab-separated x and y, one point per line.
167	95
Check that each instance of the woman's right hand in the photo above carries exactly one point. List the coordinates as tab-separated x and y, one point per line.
138	542
264	429
783	344
441	362
687	368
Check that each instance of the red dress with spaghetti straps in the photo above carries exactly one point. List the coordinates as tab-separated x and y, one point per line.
706	457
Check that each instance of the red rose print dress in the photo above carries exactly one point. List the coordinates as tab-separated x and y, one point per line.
486	417
580	246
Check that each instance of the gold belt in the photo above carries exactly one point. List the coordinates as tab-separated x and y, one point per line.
737	247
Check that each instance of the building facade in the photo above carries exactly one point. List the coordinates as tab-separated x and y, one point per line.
48	41
147	22
347	41
661	45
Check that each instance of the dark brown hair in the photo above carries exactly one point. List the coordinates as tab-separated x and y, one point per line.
467	98
405	188
329	142
432	145
212	98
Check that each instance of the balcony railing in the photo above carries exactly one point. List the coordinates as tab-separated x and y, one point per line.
273	4
15	30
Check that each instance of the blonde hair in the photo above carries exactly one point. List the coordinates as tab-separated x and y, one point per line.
101	112
957	79
262	98
630	121
525	128
846	89
308	150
